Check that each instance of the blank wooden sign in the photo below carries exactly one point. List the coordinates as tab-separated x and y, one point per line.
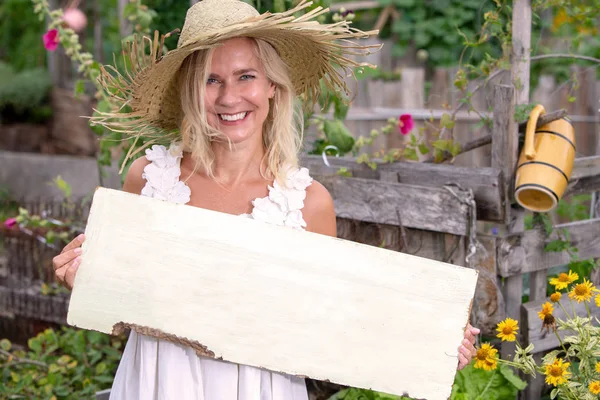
273	297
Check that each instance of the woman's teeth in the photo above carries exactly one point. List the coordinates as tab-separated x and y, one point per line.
233	117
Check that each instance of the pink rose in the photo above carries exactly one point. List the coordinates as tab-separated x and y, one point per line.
75	19
9	223
406	123
50	39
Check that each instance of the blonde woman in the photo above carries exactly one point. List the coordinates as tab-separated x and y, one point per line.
225	98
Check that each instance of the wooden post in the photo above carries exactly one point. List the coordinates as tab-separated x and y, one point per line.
521	45
125	26
504	157
505	142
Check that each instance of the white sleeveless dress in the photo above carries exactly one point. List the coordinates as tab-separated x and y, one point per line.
154	369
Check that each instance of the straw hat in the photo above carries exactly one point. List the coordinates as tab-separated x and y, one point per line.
146	101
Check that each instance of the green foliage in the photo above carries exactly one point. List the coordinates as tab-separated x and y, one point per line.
475	384
24	95
21	33
64	364
363	394
439	29
469	384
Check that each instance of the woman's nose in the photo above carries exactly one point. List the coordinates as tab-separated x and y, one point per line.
228	95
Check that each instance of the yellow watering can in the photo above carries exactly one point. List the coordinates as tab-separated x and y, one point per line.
545	164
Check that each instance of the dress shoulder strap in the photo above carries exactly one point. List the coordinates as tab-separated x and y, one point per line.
283	205
162	174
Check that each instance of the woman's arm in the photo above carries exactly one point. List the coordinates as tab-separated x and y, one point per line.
318	211
134	183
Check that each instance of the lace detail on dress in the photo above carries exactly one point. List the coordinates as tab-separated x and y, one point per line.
283	205
162	175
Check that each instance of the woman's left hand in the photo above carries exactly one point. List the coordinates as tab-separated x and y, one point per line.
467	351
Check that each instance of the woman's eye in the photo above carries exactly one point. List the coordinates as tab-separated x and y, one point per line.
246	77
211	81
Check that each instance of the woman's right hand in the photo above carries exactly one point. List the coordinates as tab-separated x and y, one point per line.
66	263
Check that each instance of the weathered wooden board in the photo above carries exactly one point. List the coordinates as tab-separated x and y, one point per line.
484	182
542	339
273	297
412	206
586	175
526	254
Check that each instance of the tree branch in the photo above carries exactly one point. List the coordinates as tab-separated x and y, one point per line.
571	56
19	360
487	139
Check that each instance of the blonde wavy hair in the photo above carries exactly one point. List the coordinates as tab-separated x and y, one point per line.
282	129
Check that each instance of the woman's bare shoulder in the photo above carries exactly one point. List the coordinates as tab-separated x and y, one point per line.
134	182
318	211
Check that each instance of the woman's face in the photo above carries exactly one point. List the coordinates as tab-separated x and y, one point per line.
237	91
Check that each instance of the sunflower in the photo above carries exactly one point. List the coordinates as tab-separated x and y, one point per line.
556	373
583	291
486	357
598	367
563	280
555	297
594	387
508	329
547	309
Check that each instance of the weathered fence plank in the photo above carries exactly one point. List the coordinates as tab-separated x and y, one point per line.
484	182
428	208
524	255
585	177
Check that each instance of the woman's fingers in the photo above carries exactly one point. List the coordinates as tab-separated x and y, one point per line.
68	253
71	271
65	257
462	361
469	348
77	242
66	274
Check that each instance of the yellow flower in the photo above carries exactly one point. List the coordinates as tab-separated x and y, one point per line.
583	291
564	280
555	297
507	330
547	309
598	303
598	367
486	357
594	387
556	373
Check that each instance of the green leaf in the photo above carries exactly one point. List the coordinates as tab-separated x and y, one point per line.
338	135
411	154
79	87
100	368
35	345
5	344
440	144
45	289
454	148
557	246
510	376
447	121
423	149
63	186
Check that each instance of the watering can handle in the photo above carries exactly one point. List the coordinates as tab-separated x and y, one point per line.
530	131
